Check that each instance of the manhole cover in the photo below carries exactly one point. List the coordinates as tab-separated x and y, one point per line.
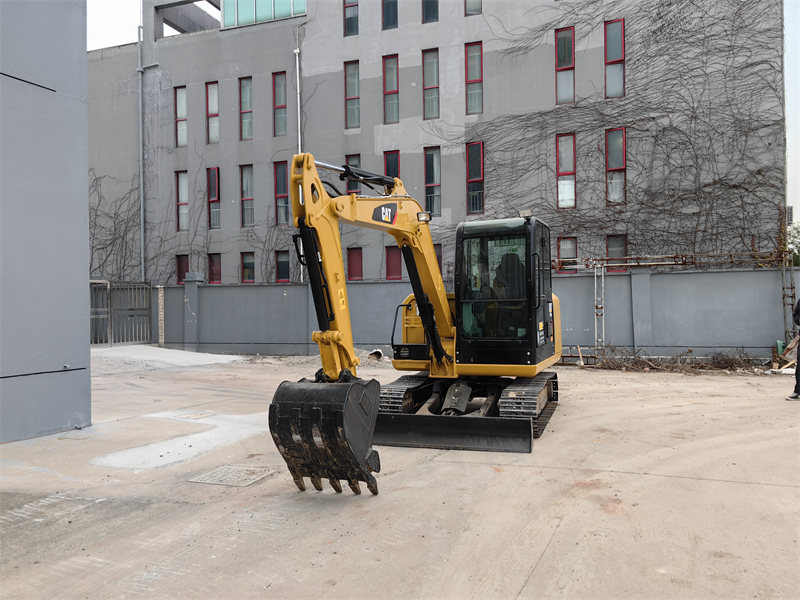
238	476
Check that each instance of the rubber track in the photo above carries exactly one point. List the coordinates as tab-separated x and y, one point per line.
519	406
392	393
519	400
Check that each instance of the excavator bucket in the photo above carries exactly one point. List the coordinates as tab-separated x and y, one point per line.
324	431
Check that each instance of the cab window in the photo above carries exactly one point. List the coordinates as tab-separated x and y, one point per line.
495	297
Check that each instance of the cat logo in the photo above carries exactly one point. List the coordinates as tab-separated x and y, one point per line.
385	213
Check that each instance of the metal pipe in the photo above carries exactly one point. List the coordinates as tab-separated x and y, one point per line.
140	70
299	129
328	167
297	71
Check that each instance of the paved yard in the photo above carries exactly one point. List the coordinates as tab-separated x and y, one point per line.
645	485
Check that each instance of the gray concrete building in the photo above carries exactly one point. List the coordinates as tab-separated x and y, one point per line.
44	303
632	128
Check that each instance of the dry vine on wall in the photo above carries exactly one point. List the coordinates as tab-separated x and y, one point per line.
703	112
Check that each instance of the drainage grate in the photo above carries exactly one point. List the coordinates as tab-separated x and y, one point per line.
229	475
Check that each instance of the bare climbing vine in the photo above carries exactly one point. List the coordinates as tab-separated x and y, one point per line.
703	112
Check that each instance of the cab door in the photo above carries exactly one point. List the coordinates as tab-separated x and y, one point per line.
544	338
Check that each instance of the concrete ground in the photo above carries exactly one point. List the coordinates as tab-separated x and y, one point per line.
645	485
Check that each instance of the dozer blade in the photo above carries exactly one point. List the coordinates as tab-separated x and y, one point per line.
324	431
487	434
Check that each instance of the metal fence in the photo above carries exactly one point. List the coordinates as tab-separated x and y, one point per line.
120	312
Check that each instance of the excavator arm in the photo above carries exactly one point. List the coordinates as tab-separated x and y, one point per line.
318	215
323	428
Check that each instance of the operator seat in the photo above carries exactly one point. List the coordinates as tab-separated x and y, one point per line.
510	284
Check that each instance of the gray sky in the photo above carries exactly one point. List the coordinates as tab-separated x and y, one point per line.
114	22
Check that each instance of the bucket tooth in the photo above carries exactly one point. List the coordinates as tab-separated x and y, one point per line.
324	431
372	486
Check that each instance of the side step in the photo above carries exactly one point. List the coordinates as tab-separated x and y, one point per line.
483	434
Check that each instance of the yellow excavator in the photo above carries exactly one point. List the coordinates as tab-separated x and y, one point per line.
478	355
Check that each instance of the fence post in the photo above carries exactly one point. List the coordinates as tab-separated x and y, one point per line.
191	310
161	316
110	324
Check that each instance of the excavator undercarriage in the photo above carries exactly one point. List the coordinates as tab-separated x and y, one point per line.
485	414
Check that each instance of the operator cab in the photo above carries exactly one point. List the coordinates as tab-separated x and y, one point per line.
504	296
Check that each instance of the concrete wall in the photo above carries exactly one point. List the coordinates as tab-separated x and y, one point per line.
662	314
668	313
44	313
272	319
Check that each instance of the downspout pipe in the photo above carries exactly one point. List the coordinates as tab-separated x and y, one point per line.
297	71
140	70
299	129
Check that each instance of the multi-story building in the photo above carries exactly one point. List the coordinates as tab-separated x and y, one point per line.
632	128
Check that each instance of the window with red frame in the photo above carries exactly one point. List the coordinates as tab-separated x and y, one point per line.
182	267
248	209
472	7
246	108
182	197
617	247
283	213
352	100
567	255
391	90
437	248
615	166
615	58
355	268
394	263
474	63
430	11
430	83
278	104
389	14
350	17
248	267
433	182
565	65
282	266
180	117
475	178
212	176
391	163
212	112
565	169
214	268
354	160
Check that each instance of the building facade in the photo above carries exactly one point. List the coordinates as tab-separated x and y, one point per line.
631	128
45	383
